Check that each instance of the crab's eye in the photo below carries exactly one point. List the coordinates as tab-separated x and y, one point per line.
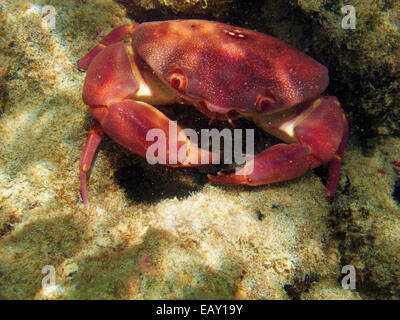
264	104
178	81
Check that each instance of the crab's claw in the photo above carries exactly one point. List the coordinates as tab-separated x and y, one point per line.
278	163
319	134
116	84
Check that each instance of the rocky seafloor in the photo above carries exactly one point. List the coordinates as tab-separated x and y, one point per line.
153	232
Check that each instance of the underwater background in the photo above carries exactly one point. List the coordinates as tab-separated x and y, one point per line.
155	232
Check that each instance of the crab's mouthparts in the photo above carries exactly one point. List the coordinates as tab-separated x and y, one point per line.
228	116
222	112
217	113
216	109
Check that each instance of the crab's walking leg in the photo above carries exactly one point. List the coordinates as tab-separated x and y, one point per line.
139	126
114	36
92	142
335	163
318	134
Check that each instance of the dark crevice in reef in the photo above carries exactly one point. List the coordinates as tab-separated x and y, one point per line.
140	14
321	172
3	95
151	184
396	192
295	290
8	226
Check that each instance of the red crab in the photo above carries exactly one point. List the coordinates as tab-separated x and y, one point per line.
225	72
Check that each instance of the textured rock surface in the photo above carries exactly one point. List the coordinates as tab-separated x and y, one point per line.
365	62
161	9
366	218
142	238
